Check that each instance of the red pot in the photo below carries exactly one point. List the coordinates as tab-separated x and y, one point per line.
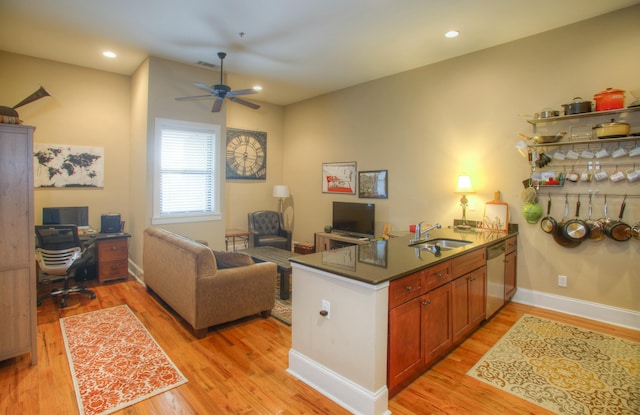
609	99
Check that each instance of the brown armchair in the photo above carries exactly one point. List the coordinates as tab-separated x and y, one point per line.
267	229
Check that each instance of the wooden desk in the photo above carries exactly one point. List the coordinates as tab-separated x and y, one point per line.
233	234
280	257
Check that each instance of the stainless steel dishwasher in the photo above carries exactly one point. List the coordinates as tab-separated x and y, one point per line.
495	278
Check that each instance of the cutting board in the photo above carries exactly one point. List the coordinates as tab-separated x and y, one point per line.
496	214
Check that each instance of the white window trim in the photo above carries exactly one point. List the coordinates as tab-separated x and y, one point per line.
216	215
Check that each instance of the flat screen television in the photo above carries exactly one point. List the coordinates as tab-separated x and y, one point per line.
76	215
354	219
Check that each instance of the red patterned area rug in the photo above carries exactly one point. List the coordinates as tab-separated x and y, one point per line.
114	360
564	369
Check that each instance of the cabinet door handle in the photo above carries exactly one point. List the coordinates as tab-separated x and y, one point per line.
409	288
439	275
472	279
427	302
114	248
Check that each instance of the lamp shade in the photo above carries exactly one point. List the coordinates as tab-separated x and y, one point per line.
280	190
464	185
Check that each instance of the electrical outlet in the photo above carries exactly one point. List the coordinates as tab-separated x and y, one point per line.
326	306
562	280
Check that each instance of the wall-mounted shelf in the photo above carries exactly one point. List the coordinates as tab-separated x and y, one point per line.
598	141
584	115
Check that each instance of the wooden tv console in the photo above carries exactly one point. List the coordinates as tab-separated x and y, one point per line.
327	241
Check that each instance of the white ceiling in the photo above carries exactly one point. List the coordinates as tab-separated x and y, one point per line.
295	49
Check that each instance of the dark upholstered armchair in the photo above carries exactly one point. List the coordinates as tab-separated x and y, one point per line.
267	229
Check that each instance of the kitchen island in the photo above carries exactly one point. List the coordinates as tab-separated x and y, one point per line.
340	315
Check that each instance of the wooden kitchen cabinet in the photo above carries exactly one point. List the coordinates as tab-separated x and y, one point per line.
510	268
113	258
436	324
405	351
419	329
429	311
468	302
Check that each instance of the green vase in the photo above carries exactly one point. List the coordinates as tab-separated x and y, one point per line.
532	212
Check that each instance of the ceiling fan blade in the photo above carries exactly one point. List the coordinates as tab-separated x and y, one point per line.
245	103
204	86
217	105
242	92
194	97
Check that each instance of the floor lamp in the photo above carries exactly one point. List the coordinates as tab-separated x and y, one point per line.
281	191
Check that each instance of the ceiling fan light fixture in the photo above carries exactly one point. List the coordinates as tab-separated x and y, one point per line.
109	54
257	88
451	34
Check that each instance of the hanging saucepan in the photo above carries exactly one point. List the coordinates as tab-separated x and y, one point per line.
617	229
576	229
605	220
548	224
558	234
635	231
596	230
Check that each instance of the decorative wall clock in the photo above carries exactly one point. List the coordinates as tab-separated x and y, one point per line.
246	154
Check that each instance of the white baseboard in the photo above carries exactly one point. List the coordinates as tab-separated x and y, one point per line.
339	389
594	311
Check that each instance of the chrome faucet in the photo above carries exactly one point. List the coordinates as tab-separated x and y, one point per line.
417	237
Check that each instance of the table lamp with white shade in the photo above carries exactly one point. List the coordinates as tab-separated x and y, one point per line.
464	187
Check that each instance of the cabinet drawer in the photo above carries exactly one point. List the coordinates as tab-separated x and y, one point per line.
437	275
113	249
511	245
468	262
404	289
113	269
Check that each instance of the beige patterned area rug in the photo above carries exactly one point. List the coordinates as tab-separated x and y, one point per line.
282	309
564	369
114	360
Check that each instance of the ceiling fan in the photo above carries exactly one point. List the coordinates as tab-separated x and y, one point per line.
221	91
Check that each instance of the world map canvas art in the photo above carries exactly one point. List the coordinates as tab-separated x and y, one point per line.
57	165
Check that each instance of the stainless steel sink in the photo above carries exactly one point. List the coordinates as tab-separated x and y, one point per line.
448	243
431	247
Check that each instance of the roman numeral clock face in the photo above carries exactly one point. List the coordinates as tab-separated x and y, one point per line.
246	154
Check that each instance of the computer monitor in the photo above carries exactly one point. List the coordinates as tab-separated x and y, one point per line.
76	215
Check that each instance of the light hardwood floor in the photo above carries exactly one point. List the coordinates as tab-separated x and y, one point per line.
240	368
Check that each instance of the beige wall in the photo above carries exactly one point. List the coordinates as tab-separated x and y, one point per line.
86	108
429	125
425	126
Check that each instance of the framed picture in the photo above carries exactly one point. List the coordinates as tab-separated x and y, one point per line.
372	184
339	178
246	155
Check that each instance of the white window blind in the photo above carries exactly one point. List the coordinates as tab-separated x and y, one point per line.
187	173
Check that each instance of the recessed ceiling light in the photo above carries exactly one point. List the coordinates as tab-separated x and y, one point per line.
109	54
452	33
257	88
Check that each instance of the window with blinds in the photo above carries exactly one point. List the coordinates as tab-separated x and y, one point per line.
187	179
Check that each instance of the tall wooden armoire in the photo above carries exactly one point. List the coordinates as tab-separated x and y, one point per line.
18	318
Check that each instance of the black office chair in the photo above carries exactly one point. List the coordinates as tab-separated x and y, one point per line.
60	253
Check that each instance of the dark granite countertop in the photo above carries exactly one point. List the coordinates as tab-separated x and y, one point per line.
381	261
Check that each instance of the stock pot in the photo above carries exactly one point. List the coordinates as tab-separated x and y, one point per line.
609	99
578	106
